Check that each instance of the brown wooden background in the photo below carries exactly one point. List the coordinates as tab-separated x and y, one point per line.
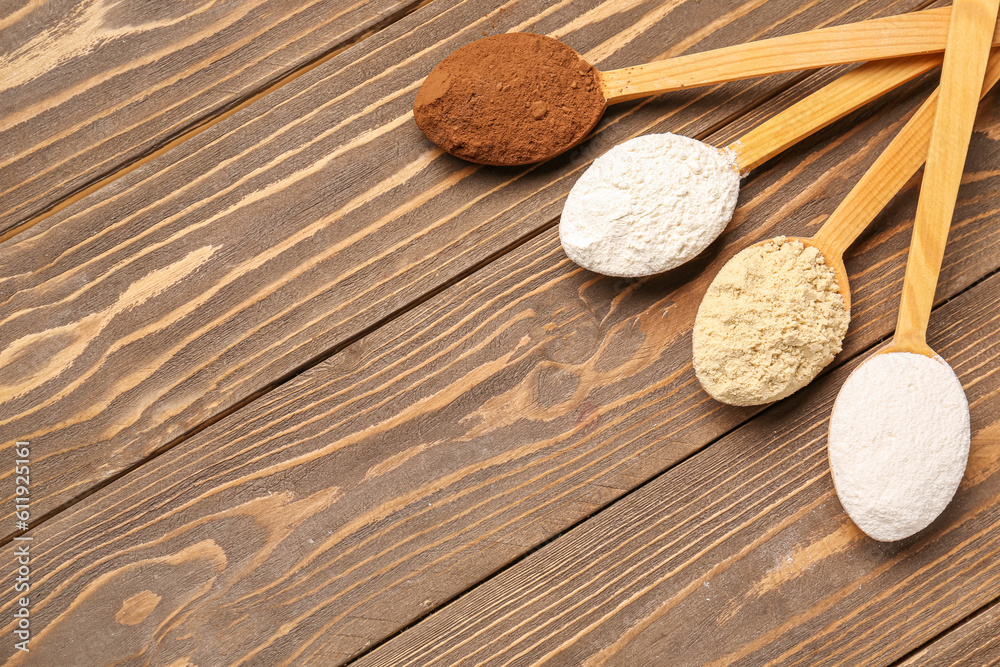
301	389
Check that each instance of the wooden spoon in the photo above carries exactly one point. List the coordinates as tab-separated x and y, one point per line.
845	94
633	247
894	167
949	145
895	475
491	130
891	37
887	175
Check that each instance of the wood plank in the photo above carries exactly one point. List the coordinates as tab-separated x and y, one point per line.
90	86
453	440
975	641
742	555
253	250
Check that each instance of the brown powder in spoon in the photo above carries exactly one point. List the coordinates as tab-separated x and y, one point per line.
510	99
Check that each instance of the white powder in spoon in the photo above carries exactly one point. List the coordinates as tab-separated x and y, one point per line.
899	443
649	205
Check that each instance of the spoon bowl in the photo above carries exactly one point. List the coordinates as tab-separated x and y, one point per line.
510	99
893	479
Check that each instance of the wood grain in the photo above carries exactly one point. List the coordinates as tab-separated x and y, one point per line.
92	86
448	443
742	555
975	641
248	253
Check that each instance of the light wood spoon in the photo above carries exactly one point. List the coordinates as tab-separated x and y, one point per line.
878	185
949	145
888	174
598	242
483	132
899	434
845	94
876	39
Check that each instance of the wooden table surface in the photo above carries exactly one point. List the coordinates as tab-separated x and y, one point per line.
300	389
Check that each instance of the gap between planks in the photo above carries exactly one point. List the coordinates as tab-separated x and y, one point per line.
212	119
225	111
729	121
914	656
604	508
402	310
541	545
421	299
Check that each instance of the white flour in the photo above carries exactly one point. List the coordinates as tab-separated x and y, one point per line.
649	205
899	443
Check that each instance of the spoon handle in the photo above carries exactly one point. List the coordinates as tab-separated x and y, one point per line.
828	104
972	24
897	164
890	37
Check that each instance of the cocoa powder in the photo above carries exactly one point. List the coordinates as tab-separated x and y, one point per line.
510	99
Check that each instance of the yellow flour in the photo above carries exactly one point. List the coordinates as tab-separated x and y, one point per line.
770	322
